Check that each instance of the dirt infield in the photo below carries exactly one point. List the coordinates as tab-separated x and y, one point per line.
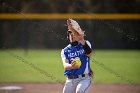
57	88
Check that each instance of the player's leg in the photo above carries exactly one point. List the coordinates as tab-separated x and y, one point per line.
84	85
70	86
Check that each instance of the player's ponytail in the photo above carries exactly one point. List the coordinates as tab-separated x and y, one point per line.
91	73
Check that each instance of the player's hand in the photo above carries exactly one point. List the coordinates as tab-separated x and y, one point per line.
73	65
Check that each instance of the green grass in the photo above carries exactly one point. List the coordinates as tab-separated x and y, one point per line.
111	66
117	66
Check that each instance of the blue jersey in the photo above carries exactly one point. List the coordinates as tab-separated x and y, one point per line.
71	52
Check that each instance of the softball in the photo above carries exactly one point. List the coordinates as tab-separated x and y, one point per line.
77	63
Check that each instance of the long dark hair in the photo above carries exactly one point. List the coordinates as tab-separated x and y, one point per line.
91	73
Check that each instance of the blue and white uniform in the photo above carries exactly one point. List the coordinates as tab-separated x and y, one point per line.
70	53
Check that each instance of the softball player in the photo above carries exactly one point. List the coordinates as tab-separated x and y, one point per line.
78	78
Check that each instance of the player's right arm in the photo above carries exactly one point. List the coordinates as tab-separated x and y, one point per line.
68	66
65	61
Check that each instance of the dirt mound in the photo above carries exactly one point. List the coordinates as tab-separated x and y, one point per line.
57	88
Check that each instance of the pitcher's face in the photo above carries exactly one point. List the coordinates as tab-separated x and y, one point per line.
72	37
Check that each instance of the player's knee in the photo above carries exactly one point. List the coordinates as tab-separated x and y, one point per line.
79	91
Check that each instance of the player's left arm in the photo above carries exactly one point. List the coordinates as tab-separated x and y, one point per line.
86	46
79	33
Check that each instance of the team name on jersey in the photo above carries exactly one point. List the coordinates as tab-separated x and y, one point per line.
75	54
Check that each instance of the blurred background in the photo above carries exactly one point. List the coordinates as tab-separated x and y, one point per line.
33	32
110	33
